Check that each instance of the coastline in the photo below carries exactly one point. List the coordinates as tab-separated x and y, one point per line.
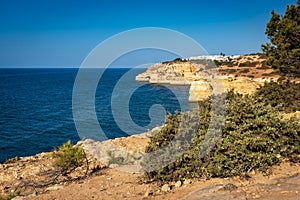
115	163
104	182
243	74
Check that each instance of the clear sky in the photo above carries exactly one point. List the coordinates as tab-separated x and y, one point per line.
45	33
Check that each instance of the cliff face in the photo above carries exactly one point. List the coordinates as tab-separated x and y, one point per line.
243	74
203	88
175	73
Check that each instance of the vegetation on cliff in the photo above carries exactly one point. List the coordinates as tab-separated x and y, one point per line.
284	96
283	50
255	135
69	157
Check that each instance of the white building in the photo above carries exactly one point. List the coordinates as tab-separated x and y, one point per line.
214	57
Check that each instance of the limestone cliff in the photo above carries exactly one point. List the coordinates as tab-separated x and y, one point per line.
242	74
203	88
175	73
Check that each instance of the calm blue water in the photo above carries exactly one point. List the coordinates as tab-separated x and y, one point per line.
36	107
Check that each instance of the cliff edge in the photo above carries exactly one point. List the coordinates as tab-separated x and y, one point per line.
244	74
174	72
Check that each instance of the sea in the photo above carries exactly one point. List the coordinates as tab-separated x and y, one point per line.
36	107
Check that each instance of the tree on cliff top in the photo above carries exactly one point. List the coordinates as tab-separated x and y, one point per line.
283	50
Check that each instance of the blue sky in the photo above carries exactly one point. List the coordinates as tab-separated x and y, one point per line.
46	33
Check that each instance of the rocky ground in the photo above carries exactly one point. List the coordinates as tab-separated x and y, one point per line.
284	183
35	178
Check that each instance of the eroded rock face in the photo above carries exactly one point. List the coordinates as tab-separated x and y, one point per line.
205	82
202	89
199	90
175	73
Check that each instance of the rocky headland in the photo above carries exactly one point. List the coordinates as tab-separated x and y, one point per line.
244	74
175	73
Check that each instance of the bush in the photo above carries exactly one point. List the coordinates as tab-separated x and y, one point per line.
285	96
69	157
12	160
230	64
10	196
179	60
248	64
219	63
245	71
115	160
264	66
231	71
254	137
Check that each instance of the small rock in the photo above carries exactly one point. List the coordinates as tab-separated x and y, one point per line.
187	181
113	165
178	184
54	187
109	178
18	198
165	188
283	192
148	193
229	187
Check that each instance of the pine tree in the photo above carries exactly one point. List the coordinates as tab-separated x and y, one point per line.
283	50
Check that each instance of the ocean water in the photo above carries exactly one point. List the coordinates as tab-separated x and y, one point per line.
36	107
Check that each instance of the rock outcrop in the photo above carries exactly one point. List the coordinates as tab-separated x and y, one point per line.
37	174
175	73
243	74
203	88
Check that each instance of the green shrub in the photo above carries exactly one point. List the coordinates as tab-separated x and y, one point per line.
231	71
245	71
266	74
248	64
115	160
69	157
285	96
179	60
10	196
219	63
230	64
176	60
264	66
254	137
12	160
282	78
